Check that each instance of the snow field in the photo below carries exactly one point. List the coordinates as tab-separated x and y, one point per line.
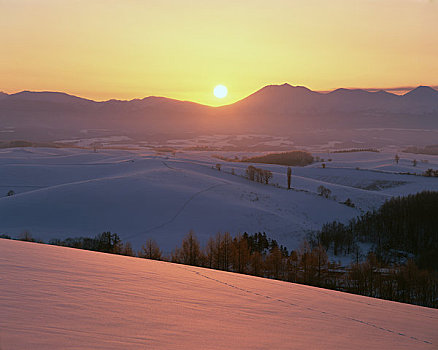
138	194
62	298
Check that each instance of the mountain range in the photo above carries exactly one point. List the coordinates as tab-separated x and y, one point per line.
274	109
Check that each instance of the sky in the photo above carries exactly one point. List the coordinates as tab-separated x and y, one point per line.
125	49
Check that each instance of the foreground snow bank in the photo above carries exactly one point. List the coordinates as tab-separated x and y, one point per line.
61	298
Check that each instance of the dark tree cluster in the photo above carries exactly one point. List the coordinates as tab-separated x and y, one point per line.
400	282
356	150
258	175
431	173
431	150
335	236
254	254
402	227
23	143
292	158
105	242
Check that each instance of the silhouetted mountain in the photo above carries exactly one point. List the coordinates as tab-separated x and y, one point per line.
48	96
279	98
274	109
422	92
422	98
361	100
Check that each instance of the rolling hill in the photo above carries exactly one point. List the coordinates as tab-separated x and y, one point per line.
63	193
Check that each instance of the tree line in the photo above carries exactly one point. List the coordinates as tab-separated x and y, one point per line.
292	158
351	150
257	254
401	262
402	228
261	256
258	175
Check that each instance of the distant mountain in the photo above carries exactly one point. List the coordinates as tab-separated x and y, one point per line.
423	98
422	92
285	108
274	109
279	98
48	96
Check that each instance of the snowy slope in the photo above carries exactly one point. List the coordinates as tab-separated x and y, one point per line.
138	194
62	193
61	298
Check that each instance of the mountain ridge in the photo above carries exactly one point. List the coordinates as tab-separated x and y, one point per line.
419	89
273	109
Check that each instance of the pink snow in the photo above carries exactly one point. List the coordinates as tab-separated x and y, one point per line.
62	298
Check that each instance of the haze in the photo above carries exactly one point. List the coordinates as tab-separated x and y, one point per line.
128	49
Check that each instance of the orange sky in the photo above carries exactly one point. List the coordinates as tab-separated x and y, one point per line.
125	49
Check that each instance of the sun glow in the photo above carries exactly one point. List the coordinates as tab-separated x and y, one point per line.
220	91
127	49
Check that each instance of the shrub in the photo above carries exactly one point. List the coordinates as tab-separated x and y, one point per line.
324	191
349	202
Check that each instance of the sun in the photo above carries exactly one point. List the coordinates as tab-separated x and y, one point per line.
220	91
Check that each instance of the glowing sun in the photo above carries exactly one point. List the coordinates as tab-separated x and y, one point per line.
220	91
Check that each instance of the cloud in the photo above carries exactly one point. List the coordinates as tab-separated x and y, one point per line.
399	89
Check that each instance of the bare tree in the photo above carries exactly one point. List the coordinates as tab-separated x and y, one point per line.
256	264
250	172
151	250
240	254
267	175
191	251
127	249
26	236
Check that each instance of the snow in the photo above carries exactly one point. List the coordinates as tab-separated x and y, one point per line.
62	298
140	194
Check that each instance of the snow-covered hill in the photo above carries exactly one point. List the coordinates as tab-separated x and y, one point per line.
62	298
138	194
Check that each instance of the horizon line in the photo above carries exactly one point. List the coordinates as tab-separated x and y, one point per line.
392	90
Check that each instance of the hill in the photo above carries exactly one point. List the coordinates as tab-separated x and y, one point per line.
55	297
71	192
140	194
